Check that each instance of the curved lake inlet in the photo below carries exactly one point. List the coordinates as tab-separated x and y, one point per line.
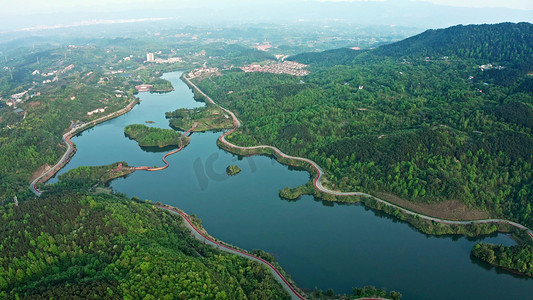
320	244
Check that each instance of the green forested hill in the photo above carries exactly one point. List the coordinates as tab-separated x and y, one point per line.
31	140
67	245
499	43
223	53
329	58
505	42
426	131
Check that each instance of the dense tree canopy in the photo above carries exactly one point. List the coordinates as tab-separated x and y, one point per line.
73	244
153	136
517	258
424	130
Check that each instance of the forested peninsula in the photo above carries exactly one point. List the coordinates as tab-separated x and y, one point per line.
517	259
74	244
206	118
153	136
423	123
442	128
439	122
79	239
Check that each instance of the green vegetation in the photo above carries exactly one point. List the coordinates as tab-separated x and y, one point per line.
295	193
71	243
436	228
233	170
32	140
364	292
153	136
206	118
233	54
480	42
424	130
75	244
514	258
161	85
372	292
86	178
107	246
484	42
386	120
62	85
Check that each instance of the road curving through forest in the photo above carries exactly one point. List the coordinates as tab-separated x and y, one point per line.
146	168
70	147
222	247
318	180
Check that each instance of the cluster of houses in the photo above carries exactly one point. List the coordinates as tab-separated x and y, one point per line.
16	99
12	103
52	73
286	67
171	60
98	110
201	71
144	87
490	66
67	68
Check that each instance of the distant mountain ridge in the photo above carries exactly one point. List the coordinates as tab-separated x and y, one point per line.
504	42
507	42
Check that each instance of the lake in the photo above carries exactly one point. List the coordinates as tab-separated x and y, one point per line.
320	244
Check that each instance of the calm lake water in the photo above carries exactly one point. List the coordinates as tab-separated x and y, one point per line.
319	244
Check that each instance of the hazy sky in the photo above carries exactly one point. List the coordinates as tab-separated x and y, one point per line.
518	4
23	14
45	6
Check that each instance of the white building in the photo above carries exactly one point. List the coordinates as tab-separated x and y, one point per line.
150	57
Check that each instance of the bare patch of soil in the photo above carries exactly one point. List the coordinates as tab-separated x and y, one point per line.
40	171
450	210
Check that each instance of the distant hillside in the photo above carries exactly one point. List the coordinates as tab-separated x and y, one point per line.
424	130
507	42
236	54
343	56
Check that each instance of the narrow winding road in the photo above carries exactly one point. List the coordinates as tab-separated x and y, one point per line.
237	124
70	147
208	240
318	179
146	168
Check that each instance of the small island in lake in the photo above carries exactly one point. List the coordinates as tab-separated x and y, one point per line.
149	122
206	118
90	177
154	137
233	170
160	85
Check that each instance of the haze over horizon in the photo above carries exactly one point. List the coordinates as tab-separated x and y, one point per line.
35	6
420	14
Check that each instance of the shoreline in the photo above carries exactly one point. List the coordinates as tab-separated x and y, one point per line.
201	234
316	171
71	149
259	150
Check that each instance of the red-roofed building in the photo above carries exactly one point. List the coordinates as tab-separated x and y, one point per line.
143	87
